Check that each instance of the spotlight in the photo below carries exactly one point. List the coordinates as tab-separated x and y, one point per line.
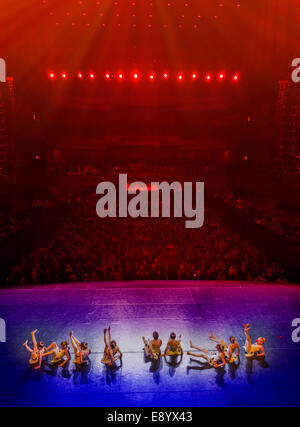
120	76
221	76
236	77
92	76
194	76
208	77
80	75
52	76
180	77
165	75
151	76
64	76
107	76
136	76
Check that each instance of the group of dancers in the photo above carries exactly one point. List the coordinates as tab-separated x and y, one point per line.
224	353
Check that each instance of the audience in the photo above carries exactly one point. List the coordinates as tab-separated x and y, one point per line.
87	248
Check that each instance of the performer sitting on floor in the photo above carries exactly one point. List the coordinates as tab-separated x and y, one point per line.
81	350
254	350
215	360
112	353
174	347
37	353
153	347
232	350
60	356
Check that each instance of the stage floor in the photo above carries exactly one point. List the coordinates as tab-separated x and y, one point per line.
135	309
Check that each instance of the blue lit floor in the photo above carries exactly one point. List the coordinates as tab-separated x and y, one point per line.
135	309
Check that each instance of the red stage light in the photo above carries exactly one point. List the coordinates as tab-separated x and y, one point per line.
236	77
80	75
52	76
64	76
180	77
92	76
151	76
136	76
121	76
107	76
208	77
165	75
194	76
221	76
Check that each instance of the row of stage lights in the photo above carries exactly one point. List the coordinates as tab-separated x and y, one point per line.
135	76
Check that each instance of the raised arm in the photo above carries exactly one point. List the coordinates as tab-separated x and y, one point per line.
73	342
105	340
27	347
109	335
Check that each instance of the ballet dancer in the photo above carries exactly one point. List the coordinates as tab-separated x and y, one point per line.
254	350
61	356
153	347
232	350
81	350
174	347
37	353
112	353
215	361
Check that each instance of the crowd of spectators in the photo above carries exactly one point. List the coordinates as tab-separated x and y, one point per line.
267	213
86	248
11	226
86	169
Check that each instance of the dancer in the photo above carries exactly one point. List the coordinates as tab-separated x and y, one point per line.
153	347
215	361
112	353
81	350
60	356
232	350
254	350
37	353
174	347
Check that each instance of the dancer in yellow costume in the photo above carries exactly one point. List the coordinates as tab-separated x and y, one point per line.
215	360
81	350
232	350
153	347
254	350
61	355
112	353
174	347
38	351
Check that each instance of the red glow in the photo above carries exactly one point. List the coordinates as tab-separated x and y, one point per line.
136	76
80	75
208	77
64	76
221	76
194	76
236	77
180	77
107	76
52	76
151	76
121	76
165	75
92	76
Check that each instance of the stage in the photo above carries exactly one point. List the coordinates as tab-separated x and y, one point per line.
134	309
